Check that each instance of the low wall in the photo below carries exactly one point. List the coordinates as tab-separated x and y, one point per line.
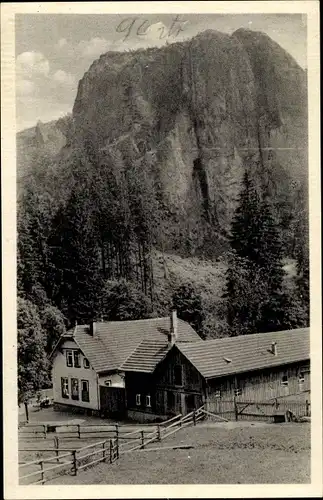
143	417
75	409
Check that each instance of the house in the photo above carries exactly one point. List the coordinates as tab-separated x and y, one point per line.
87	361
258	367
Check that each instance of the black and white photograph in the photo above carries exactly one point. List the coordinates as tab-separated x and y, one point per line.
163	235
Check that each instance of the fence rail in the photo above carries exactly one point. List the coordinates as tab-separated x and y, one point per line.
103	450
122	441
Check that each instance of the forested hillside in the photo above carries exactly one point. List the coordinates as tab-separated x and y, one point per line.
180	180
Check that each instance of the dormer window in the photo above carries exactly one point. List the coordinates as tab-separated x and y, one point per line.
86	363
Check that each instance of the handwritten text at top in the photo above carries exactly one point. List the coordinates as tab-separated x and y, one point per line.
139	26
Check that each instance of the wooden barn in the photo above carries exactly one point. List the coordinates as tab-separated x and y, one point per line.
161	381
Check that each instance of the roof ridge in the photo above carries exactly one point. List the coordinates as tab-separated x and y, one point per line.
251	335
136	320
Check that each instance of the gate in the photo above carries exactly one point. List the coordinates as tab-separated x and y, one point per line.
112	401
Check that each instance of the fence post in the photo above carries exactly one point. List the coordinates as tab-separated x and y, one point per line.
45	431
56	445
307	408
158	432
79	430
235	408
103	451
41	463
74	462
194	418
110	451
117	434
142	439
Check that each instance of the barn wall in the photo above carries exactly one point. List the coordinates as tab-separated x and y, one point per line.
142	384
261	385
173	398
166	395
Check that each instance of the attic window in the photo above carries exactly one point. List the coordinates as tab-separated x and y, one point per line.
178	376
301	378
237	391
217	393
77	359
69	358
86	363
284	380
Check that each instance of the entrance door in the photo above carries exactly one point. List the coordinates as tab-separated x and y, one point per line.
190	402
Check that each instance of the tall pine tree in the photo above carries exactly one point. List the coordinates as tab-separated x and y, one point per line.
256	301
76	279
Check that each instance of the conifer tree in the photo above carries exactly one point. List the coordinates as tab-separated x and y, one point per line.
256	301
32	361
76	279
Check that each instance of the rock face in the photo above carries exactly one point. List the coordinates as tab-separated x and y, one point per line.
200	112
41	144
195	115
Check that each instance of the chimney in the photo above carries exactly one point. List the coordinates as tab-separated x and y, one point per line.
274	348
93	328
173	328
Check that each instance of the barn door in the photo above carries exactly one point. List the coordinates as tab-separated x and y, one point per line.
190	403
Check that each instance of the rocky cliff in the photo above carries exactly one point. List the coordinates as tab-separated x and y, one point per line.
194	115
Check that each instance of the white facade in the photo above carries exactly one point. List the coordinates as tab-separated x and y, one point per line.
64	377
84	376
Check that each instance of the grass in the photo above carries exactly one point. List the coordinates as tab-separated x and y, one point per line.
233	453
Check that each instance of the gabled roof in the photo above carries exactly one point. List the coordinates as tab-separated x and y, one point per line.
115	341
231	355
146	357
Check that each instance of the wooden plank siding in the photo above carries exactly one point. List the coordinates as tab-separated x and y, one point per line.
167	396
176	386
260	385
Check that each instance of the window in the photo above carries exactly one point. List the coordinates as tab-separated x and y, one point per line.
301	378
237	391
75	388
64	384
138	399
284	380
148	401
85	391
73	358
217	393
178	379
86	363
108	383
69	358
77	359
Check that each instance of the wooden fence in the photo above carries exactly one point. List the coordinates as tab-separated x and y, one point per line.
69	461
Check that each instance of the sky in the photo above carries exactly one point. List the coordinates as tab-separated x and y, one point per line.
53	51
